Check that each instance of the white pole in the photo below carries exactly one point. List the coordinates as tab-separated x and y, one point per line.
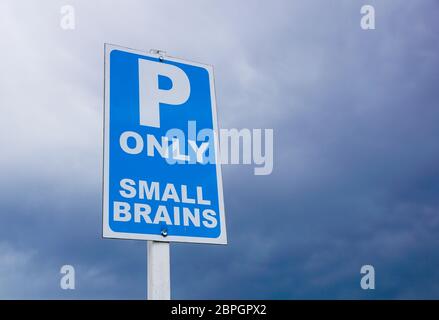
158	264
159	271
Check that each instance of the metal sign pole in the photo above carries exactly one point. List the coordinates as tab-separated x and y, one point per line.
159	271
159	265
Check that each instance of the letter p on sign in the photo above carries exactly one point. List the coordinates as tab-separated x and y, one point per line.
150	95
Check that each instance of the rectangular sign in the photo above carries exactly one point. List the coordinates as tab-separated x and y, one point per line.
162	174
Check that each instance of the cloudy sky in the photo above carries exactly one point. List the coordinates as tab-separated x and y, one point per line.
355	115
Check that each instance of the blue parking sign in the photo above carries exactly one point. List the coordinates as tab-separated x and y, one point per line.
162	174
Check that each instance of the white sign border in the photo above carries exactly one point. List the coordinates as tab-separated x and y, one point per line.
106	230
